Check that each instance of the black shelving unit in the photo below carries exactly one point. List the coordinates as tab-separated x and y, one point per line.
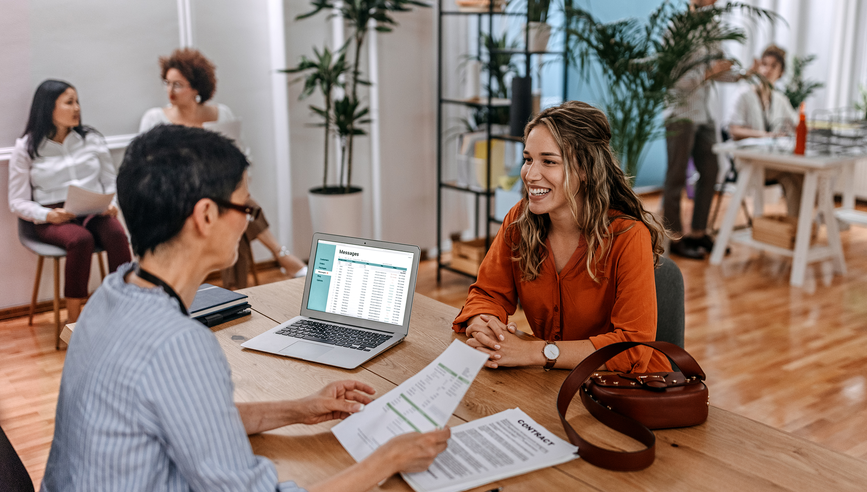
487	194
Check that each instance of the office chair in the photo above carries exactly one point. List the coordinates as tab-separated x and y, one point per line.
13	475
27	236
670	312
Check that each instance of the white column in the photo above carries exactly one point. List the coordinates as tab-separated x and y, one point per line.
337	40
279	97
375	155
185	23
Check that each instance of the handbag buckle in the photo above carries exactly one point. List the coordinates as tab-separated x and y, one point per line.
653	381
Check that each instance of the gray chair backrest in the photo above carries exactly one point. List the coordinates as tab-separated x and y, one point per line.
13	475
670	313
27	236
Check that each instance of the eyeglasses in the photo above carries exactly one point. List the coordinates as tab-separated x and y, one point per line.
175	86
252	212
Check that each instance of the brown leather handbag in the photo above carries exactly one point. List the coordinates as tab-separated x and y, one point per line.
634	403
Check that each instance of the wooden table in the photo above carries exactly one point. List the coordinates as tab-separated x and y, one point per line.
818	171
728	452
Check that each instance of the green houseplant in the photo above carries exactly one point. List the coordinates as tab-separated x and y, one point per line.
798	89
324	72
638	63
537	24
358	15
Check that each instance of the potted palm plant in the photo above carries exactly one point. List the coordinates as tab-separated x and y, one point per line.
798	89
328	204
343	201
537	24
641	61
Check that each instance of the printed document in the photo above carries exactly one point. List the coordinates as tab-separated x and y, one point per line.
422	403
84	202
502	445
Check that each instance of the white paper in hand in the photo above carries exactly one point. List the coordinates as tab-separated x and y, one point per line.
422	403
84	202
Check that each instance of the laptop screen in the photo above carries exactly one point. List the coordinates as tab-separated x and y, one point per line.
360	281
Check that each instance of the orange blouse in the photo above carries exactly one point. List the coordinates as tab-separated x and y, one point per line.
571	305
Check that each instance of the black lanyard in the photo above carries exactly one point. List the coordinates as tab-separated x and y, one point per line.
150	277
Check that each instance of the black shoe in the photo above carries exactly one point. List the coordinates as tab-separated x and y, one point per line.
705	242
687	249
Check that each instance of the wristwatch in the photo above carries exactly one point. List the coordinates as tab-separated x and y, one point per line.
551	352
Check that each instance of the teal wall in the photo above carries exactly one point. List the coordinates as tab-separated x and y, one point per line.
652	172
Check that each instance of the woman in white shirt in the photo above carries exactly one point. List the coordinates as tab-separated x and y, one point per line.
190	82
57	151
763	111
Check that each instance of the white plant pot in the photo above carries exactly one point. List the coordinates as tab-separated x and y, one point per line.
540	32
336	213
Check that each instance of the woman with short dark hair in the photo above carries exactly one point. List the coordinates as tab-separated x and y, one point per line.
54	152
577	252
191	81
146	401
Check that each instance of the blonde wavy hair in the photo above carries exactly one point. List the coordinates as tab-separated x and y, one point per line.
583	135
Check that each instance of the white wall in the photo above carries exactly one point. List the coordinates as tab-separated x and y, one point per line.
234	36
109	51
407	116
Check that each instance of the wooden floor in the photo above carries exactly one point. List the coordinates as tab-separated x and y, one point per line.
794	359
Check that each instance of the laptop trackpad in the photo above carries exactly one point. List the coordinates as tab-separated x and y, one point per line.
305	350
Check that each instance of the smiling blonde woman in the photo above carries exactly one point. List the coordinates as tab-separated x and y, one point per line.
577	253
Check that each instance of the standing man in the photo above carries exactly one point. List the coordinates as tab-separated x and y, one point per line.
690	131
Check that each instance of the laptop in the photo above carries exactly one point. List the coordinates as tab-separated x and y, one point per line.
356	305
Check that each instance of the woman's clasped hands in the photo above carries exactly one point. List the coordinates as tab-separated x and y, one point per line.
503	343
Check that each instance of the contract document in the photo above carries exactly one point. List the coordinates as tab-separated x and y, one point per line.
502	445
84	202
422	403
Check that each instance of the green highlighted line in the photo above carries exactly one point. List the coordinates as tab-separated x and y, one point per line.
402	417
453	373
419	410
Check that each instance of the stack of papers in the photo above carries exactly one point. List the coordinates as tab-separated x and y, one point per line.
492	448
502	445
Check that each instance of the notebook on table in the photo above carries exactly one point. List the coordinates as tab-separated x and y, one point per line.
215	305
356	303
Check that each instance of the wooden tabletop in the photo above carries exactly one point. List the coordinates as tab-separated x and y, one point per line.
728	452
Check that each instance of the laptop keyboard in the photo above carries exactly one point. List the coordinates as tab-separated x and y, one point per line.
340	336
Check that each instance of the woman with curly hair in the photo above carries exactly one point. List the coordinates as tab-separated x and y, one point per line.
578	253
190	82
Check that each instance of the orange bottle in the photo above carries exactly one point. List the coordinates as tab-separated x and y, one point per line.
801	132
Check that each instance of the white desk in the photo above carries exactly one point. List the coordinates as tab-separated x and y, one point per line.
817	195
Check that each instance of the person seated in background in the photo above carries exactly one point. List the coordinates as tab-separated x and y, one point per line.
578	253
191	81
57	151
763	111
146	396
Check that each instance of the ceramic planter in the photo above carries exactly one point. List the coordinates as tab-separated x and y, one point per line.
336	213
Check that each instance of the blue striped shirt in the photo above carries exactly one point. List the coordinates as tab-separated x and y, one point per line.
146	403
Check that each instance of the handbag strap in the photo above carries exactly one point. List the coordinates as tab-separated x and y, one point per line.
605	458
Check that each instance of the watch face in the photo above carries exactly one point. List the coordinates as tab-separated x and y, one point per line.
551	351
